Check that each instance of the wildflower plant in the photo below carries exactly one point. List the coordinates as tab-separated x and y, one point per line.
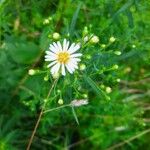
74	73
66	56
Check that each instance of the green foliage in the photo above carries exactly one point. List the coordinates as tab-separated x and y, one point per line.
112	75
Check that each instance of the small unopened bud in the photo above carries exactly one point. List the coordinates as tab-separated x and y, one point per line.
133	46
103	45
82	67
85	95
117	53
127	70
118	80
102	86
31	72
46	21
59	91
46	78
78	103
60	102
56	36
45	100
115	67
108	90
94	39
88	56
112	39
85	30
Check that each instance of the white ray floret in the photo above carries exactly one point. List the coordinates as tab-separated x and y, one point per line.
63	57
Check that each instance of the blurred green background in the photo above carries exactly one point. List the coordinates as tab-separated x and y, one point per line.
117	116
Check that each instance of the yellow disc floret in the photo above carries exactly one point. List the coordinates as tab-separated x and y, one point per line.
63	57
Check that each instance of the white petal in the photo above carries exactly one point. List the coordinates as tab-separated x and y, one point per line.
50	58
59	45
52	63
76	55
56	47
75	59
53	49
73	66
69	69
73	48
50	53
65	45
55	68
63	70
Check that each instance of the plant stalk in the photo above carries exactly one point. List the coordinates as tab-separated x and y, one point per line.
40	116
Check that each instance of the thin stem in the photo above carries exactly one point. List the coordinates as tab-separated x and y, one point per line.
46	111
40	116
129	140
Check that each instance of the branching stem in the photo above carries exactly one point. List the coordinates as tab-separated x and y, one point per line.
40	115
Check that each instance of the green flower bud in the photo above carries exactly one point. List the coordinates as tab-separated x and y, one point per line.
112	39
94	39
31	72
60	102
117	53
56	36
82	67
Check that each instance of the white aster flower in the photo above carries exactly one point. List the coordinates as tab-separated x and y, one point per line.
63	57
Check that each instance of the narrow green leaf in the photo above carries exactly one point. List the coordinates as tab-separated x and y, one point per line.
74	19
75	116
130	18
95	88
123	8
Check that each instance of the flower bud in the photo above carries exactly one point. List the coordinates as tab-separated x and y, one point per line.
115	67
102	86
117	53
133	46
108	90
60	102
85	95
94	39
46	78
31	72
112	39
56	36
118	80
88	56
46	21
85	30
103	45
82	67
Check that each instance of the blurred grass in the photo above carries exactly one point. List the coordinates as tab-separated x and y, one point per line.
119	122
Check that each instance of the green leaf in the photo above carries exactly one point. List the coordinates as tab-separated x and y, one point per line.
74	19
126	6
95	88
23	52
130	18
75	116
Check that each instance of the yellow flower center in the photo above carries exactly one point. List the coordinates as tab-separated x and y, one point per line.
63	57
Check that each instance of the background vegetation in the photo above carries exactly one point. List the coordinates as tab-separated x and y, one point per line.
117	116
